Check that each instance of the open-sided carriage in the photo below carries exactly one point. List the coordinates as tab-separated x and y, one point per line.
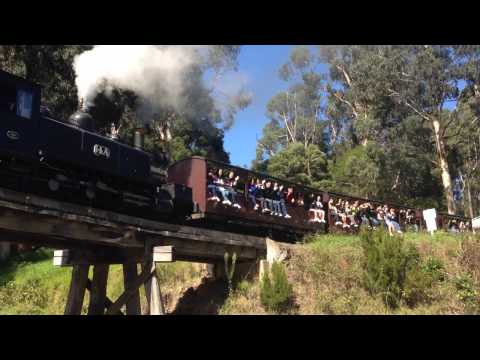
194	173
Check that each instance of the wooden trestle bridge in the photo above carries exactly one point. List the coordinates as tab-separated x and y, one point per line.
98	238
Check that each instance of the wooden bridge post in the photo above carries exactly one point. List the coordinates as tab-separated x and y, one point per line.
130	274
76	293
152	291
98	290
5	249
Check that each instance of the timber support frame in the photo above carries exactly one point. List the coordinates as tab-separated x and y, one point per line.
99	303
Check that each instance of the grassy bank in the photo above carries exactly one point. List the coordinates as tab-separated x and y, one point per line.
327	278
327	275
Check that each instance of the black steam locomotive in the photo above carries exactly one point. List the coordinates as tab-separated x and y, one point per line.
71	161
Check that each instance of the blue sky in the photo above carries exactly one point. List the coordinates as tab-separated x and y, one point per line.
260	64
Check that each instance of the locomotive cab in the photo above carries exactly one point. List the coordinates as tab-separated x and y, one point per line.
19	115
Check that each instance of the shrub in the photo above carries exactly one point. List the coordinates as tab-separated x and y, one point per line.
467	294
470	256
386	262
276	293
434	268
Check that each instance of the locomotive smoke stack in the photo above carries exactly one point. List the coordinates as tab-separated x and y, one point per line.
81	118
139	139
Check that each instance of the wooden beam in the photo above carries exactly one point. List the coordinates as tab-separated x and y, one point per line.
76	293
108	302
98	292
110	256
122	300
113	224
130	274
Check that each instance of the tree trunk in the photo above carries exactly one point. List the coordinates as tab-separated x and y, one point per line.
442	156
469	197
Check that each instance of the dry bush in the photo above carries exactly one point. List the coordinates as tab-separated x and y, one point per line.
469	257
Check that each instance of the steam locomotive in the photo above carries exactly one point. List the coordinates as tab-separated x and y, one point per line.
69	160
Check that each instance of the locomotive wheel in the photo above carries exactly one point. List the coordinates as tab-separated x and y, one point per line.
53	185
90	192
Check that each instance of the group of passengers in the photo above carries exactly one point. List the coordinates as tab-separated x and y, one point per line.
270	197
264	195
347	215
456	227
222	187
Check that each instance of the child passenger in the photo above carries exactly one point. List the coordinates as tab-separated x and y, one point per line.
317	208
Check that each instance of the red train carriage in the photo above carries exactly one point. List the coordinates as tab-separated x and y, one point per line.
241	211
215	208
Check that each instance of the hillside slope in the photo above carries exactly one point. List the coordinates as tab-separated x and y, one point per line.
326	274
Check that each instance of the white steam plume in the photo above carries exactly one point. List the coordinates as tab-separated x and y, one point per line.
163	77
155	73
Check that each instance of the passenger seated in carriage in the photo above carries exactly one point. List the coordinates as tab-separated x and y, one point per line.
381	216
230	184
344	211
367	215
222	188
410	220
290	197
278	198
212	181
392	222
283	199
253	192
453	227
351	212
334	211
316	207
267	196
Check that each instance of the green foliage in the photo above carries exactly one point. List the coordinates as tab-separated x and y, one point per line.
468	294
420	279
387	261
276	293
434	268
356	172
299	164
295	114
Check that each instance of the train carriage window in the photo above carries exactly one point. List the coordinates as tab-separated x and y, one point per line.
17	101
24	103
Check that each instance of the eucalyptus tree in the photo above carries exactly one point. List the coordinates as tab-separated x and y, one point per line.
296	129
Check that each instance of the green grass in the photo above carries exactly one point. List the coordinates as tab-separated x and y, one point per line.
326	274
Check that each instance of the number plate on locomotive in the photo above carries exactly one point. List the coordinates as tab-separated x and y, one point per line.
100	150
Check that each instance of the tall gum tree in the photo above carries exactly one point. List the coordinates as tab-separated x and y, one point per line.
296	115
422	78
352	96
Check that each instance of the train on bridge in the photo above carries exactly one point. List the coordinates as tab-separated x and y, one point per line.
69	159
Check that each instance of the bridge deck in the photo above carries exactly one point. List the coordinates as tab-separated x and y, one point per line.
45	222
